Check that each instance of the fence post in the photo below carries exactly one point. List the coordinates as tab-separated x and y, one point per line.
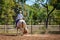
31	26
5	28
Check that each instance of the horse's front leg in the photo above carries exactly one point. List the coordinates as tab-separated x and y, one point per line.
25	31
21	31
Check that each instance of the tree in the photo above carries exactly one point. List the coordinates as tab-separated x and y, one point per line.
55	3
6	12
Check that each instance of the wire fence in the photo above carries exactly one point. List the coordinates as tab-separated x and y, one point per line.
34	26
34	29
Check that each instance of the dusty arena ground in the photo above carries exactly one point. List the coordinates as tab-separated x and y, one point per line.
31	37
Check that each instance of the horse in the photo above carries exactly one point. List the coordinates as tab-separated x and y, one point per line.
21	24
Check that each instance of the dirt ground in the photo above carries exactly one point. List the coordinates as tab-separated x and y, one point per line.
31	37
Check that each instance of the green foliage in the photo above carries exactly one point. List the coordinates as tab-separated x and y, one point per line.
37	13
55	3
22	1
6	13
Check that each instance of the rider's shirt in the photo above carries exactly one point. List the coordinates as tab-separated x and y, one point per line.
19	16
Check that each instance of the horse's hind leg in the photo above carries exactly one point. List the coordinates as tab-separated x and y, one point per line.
17	31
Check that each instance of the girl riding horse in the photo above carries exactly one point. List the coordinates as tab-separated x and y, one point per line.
20	23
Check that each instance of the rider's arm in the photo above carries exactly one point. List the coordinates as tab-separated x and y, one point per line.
22	16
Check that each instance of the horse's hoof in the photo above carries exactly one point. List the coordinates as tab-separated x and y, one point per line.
21	34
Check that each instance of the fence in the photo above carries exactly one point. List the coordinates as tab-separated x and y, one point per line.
36	29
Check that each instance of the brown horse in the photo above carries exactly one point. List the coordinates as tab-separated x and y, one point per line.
22	26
